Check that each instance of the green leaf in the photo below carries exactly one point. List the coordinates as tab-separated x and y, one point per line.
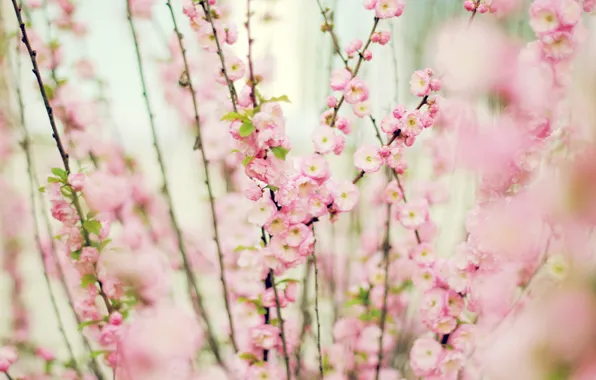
91	214
283	98
82	325
60	173
54	180
246	160
94	354
273	188
92	226
48	367
280	152
42	189
274	322
288	280
261	309
49	91
248	356
103	244
352	302
87	280
76	255
231	116
246	129
66	191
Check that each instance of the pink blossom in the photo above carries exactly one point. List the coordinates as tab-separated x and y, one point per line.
265	336
8	356
340	79
368	159
262	211
389	8
315	167
420	83
425	356
324	139
356	91
345	196
413	214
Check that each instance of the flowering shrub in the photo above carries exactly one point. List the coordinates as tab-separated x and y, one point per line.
297	270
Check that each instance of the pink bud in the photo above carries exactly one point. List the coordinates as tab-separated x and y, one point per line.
375	37
399	111
482	8
343	125
367	55
400	10
116	318
370	4
76	181
331	101
45	354
469	5
435	84
385	37
291	291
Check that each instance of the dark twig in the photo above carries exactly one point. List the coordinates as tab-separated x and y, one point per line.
281	324
207	179
192	283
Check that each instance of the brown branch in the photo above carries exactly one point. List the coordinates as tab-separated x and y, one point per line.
328	27
192	284
253	84
207	179
281	323
207	11
26	145
320	356
386	248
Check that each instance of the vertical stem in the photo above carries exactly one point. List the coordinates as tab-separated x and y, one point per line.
317	309
166	191
56	136
386	248
26	144
306	318
207	11
207	180
253	84
281	323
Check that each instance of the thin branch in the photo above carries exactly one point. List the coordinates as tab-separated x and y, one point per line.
166	191
328	27
63	155
8	376
26	145
281	323
207	179
386	248
306	318
317	309
253	84
207	11
355	70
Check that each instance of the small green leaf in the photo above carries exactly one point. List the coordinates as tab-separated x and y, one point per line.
246	160
82	325
66	191
280	152
246	129
248	357
49	91
352	302
97	353
231	116
60	173
273	188
91	214
261	309
87	280
274	322
103	244
42	189
92	226
287	280
54	180
283	98
76	255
